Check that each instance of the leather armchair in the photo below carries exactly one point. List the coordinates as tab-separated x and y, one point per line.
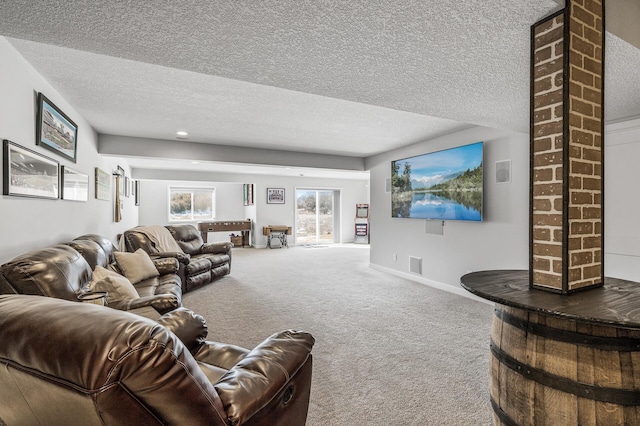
217	255
64	363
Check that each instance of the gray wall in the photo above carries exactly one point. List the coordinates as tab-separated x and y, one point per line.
501	241
28	223
622	200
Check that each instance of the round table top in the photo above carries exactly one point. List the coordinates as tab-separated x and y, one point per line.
616	303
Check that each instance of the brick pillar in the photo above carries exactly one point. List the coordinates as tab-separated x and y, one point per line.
567	75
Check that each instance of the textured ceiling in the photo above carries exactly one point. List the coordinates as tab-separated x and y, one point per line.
339	77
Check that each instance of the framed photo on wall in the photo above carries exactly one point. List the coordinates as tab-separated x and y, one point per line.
55	130
103	184
275	195
28	174
75	185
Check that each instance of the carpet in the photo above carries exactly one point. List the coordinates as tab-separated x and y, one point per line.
388	350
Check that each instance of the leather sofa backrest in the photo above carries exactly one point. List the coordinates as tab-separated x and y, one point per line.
91	251
188	238
135	239
106	246
100	365
56	271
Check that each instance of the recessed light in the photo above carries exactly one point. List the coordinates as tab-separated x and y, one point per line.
182	134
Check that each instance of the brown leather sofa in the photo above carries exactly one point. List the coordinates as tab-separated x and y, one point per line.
200	263
62	271
77	363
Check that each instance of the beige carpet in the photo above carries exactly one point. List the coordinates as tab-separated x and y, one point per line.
388	351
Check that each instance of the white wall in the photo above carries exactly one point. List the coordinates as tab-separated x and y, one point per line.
28	223
622	200
501	241
154	185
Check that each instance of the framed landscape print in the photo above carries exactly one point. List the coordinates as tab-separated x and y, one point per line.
275	195
28	174
75	185
103	184
55	130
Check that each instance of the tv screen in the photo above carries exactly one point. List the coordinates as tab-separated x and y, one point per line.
442	185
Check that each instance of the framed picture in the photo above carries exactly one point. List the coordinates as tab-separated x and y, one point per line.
103	184
55	130
75	185
126	186
275	195
28	174
248	194
137	192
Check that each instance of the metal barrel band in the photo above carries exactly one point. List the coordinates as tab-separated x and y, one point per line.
582	390
619	344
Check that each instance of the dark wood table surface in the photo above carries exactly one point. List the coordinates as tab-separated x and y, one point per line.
616	303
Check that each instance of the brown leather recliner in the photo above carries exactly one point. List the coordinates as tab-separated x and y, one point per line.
70	363
62	271
200	262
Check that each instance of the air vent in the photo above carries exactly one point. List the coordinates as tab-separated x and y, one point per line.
415	265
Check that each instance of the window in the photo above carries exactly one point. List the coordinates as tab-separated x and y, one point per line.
189	204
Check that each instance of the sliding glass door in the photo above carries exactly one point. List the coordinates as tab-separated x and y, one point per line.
314	216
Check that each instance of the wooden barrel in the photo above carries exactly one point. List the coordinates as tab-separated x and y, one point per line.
552	371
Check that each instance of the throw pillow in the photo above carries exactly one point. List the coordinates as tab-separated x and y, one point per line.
136	266
119	290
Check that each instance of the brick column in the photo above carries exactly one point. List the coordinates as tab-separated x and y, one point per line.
567	70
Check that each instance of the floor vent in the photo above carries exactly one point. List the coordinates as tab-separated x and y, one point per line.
415	265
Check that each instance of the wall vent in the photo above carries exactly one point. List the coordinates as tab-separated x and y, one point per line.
415	265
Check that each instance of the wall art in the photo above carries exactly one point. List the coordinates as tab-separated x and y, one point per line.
55	130
103	184
75	185
275	195
28	174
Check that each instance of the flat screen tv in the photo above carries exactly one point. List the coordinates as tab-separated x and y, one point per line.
442	185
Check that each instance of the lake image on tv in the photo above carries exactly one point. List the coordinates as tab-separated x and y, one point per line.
443	185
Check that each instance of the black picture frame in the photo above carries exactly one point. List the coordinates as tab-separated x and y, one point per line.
29	174
74	185
55	131
137	193
275	195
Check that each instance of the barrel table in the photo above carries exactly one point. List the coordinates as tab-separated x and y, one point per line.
562	359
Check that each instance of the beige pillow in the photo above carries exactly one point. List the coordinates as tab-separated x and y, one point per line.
136	266
119	290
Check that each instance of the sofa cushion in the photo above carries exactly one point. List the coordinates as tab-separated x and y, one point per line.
119	289
136	266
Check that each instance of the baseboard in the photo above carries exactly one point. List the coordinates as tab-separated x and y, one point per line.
459	291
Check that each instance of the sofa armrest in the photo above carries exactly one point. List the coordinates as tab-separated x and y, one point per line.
162	303
182	257
264	375
221	355
166	265
189	327
220	247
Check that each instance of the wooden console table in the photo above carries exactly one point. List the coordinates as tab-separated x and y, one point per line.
225	226
562	359
276	231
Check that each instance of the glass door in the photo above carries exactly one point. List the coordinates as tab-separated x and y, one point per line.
314	216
